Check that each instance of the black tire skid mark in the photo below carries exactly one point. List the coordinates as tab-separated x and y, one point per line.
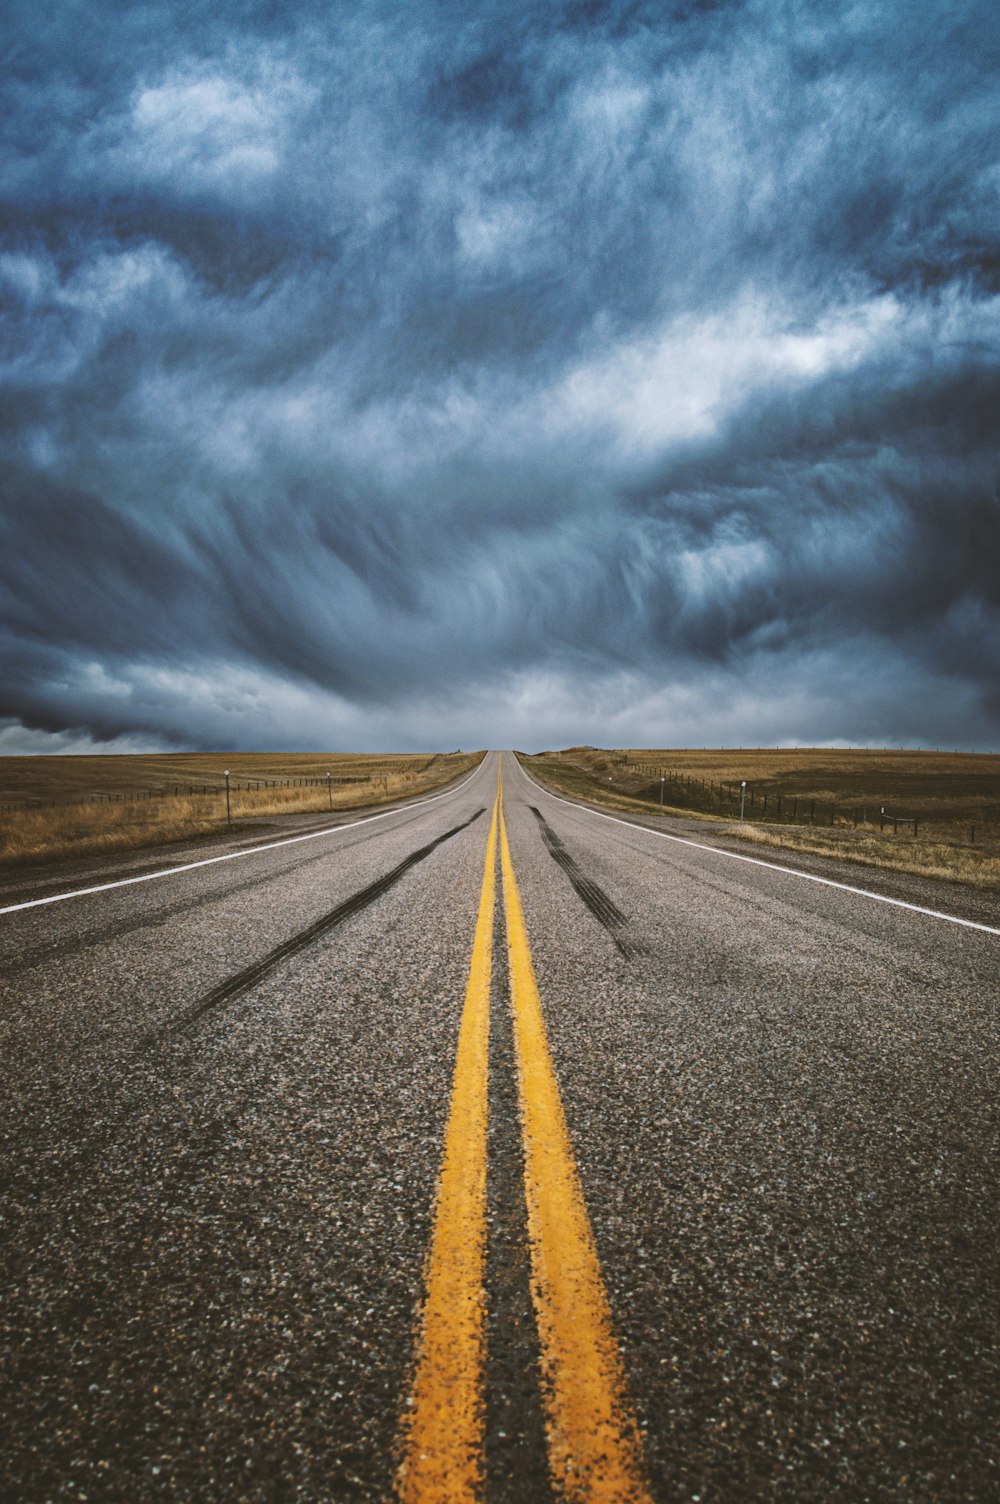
243	980
94	1126
62	949
603	908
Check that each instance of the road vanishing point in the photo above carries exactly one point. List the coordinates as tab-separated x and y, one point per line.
496	1148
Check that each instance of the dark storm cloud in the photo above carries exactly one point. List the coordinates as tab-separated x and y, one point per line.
872	508
599	371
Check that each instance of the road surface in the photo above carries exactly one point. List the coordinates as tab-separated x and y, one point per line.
498	1150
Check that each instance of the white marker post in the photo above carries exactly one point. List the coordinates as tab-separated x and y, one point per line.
229	817
743	795
661	793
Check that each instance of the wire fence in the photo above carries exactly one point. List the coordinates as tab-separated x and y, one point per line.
176	790
768	803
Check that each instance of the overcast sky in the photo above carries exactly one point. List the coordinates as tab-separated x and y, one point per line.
413	375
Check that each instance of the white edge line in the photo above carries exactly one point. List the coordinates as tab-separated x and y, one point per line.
755	861
232	856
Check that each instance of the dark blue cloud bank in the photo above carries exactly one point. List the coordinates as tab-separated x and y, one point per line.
439	374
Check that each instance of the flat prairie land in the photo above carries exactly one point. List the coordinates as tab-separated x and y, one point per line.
936	814
57	807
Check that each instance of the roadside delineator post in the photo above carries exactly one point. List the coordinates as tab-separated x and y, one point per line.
329	789
229	815
743	795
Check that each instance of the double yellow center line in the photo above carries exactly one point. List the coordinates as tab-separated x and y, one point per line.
593	1441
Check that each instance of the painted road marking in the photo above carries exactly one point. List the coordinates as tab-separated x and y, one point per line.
233	856
442	1432
756	861
595	1452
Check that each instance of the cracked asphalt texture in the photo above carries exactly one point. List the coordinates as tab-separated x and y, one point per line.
782	1099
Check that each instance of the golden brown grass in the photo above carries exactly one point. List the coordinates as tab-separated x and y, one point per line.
955	798
978	866
55	807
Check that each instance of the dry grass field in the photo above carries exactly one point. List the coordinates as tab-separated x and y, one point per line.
56	807
942	809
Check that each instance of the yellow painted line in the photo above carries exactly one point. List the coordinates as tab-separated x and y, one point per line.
442	1429
595	1453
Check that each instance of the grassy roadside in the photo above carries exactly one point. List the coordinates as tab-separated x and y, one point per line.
64	807
562	771
948	793
977	867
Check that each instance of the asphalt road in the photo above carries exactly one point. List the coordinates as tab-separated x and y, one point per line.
227	1093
